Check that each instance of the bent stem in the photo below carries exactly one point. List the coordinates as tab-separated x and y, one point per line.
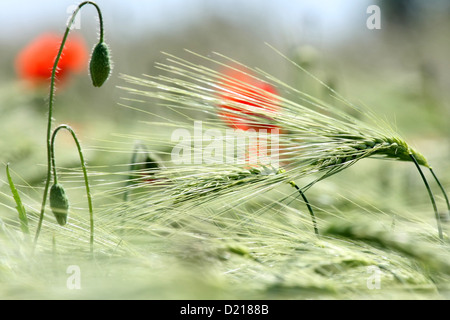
86	181
442	189
50	107
433	202
313	217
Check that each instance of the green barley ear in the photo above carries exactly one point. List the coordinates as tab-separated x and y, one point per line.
100	64
59	203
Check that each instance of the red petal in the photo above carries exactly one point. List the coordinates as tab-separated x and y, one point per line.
35	62
241	89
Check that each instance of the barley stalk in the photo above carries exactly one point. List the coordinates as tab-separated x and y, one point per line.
316	137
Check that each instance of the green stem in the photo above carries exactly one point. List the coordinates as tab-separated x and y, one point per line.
433	202
50	107
442	189
313	217
86	181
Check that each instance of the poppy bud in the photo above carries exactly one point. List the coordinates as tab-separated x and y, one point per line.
100	65
59	203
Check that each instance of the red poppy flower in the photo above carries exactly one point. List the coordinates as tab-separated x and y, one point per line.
243	95
35	62
249	103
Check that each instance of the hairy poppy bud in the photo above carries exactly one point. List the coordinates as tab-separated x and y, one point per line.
59	203
100	65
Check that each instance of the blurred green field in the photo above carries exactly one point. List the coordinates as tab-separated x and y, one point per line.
379	237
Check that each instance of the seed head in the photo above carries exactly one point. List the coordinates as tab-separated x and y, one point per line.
59	203
100	65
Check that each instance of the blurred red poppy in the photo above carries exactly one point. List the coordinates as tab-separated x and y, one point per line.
242	95
35	62
249	103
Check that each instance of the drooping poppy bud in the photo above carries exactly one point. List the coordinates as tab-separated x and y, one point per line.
59	203
148	167
100	65
151	166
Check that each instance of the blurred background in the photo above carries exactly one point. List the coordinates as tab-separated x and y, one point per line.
401	70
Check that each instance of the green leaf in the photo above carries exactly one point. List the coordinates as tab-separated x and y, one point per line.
19	206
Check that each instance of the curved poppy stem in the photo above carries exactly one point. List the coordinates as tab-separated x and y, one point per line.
50	108
86	180
313	217
433	202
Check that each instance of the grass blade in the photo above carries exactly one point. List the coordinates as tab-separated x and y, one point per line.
19	206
